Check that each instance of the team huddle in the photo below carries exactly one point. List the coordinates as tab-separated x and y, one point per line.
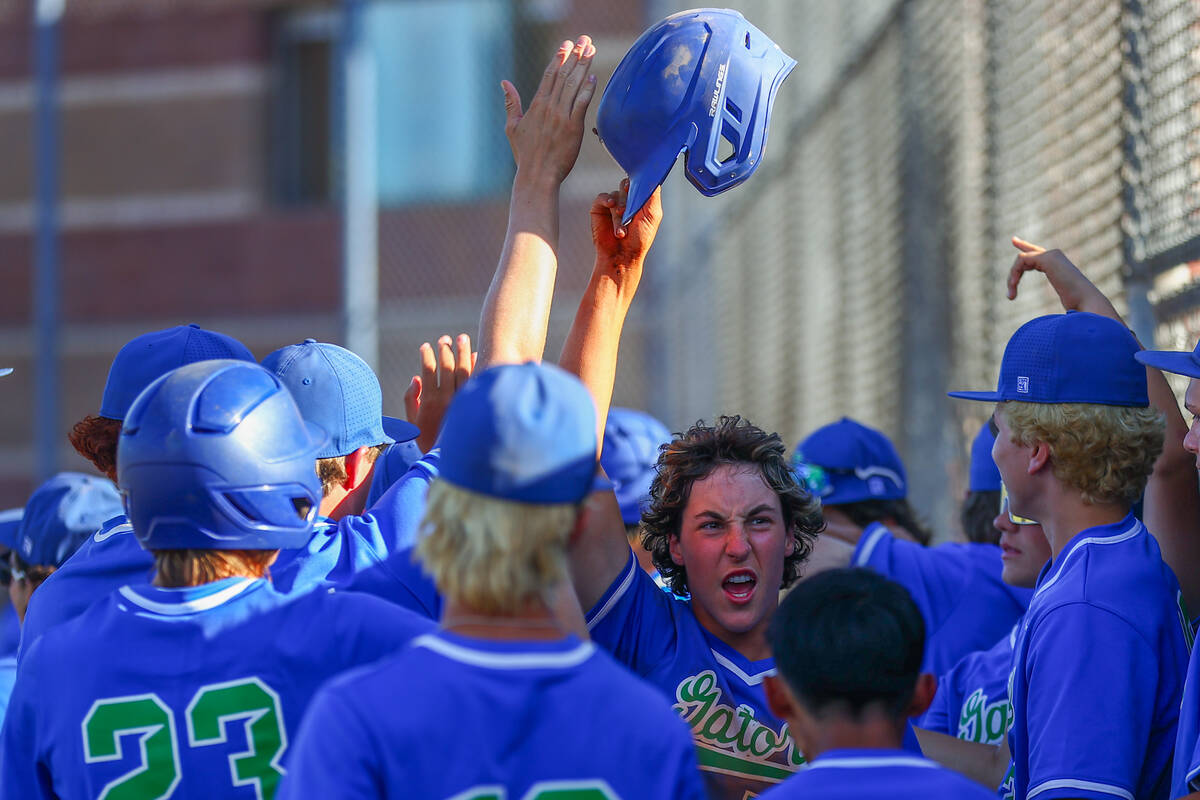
271	590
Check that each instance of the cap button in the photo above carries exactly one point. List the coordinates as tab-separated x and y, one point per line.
193	325
310	341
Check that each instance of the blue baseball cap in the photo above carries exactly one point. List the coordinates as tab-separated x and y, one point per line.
60	516
10	523
5	371
154	354
856	463
523	432
629	455
1177	361
983	475
338	391
1077	357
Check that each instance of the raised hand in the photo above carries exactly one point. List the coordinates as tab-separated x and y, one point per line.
546	138
617	246
1074	290
444	370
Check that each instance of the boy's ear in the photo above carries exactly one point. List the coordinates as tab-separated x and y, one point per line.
922	696
779	697
358	468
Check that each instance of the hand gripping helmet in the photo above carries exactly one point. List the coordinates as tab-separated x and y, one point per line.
215	456
688	83
630	453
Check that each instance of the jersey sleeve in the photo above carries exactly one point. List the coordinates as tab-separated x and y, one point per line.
401	580
398	511
681	764
332	754
635	620
932	575
22	775
1186	775
1092	681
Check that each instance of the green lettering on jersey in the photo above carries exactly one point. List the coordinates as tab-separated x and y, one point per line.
110	719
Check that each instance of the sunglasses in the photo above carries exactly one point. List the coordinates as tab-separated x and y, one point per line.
1007	509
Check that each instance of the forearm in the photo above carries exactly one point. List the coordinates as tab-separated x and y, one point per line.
516	311
593	342
983	763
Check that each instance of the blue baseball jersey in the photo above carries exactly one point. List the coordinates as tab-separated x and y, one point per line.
474	719
1098	669
194	691
1185	776
335	552
8	676
957	587
400	579
10	628
391	465
972	698
872	774
742	748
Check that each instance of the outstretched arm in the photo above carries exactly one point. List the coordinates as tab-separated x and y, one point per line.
545	141
599	553
1172	505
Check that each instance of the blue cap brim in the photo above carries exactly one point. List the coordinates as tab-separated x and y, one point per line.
1173	361
5	371
399	430
986	397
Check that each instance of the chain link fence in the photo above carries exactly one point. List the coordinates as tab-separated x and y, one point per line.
862	271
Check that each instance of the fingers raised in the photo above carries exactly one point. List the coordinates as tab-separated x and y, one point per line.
462	360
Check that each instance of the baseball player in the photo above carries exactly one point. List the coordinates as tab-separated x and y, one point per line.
957	586
500	677
848	648
194	685
1103	638
343	394
978	510
10	626
57	518
972	698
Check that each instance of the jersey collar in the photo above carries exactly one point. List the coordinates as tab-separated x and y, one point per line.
1128	528
748	672
565	653
865	758
189	599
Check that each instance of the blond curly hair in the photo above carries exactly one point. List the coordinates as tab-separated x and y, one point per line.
1106	452
493	555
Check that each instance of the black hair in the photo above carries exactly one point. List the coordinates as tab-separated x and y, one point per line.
978	515
864	512
848	639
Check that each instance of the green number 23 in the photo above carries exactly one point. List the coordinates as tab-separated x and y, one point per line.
211	711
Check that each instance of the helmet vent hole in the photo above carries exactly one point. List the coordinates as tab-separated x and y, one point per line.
747	41
302	505
238	506
733	109
726	151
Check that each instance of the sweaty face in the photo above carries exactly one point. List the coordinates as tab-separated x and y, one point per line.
733	541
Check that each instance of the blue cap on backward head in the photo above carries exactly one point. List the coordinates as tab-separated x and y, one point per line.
523	432
1178	362
339	392
698	81
154	354
1078	357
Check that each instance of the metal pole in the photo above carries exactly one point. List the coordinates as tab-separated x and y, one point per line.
360	208
45	283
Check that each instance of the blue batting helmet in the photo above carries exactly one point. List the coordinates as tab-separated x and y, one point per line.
630	453
215	456
689	82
